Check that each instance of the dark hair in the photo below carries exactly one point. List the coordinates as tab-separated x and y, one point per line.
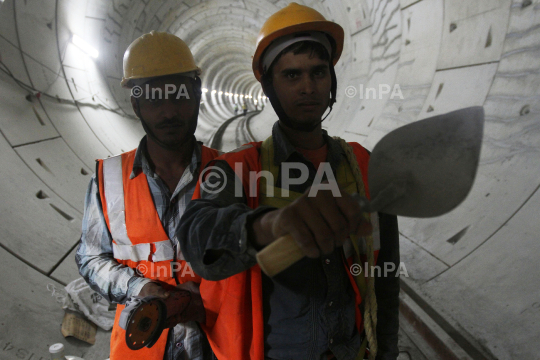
303	47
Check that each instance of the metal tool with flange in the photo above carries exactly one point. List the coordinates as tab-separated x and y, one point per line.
144	319
421	170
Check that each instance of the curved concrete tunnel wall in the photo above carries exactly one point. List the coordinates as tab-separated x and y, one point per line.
476	266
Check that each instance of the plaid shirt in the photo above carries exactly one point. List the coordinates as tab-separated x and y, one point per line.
116	282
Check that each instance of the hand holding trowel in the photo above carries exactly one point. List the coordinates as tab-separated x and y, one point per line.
424	169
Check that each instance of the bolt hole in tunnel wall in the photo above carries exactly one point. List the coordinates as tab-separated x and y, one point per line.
61	108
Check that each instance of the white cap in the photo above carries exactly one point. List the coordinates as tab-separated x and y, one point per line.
284	42
56	348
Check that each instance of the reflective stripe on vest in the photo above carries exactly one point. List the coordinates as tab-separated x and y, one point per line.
139	252
114	193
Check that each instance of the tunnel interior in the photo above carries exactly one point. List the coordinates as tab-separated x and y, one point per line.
403	61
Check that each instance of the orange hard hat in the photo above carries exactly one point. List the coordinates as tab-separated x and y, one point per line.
292	19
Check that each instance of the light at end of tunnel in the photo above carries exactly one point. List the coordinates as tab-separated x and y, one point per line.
226	94
214	91
204	90
241	96
255	101
220	93
84	46
236	95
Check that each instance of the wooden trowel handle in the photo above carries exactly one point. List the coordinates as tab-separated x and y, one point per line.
279	255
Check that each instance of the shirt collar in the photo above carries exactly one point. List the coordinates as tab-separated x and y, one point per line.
283	149
141	164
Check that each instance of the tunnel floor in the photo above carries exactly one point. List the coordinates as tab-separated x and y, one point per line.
32	317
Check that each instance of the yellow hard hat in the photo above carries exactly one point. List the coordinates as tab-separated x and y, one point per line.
293	19
156	54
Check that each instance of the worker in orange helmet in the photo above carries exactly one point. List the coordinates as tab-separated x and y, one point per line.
322	307
135	200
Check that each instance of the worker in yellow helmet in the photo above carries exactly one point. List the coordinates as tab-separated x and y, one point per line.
160	56
135	200
321	307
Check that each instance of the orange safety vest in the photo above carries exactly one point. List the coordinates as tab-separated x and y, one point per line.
234	306
139	240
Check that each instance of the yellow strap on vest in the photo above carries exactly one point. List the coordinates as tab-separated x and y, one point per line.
349	178
362	351
370	302
265	191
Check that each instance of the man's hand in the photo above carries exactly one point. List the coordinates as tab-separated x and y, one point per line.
195	309
153	289
318	224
